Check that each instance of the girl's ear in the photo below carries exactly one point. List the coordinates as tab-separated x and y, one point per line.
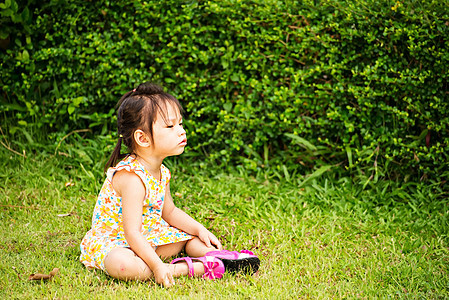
141	138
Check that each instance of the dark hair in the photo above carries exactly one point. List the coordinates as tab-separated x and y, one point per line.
138	110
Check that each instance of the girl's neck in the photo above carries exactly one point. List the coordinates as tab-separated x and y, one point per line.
152	165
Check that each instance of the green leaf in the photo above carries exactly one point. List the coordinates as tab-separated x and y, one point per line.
235	77
224	63
349	154
26	16
77	101
3	34
7	13
25	55
6	4
89	50
70	109
315	174
227	106
301	141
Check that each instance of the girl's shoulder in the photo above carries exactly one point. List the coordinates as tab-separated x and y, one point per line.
127	181
132	165
129	164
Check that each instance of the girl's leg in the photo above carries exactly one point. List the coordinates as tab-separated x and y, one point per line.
196	248
179	269
124	264
170	250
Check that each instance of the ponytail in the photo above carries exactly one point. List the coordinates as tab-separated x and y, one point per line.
115	156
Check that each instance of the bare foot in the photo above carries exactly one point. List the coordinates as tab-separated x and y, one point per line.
181	269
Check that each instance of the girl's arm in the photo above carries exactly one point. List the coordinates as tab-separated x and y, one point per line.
130	187
179	219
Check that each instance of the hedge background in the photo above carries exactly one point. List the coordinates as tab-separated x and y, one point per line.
361	84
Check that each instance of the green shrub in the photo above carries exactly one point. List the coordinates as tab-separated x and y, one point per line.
361	84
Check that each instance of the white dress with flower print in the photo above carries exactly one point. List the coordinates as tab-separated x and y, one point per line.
107	224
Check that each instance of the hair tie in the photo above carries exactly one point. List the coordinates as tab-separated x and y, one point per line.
134	90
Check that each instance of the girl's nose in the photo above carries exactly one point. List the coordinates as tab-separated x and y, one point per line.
182	131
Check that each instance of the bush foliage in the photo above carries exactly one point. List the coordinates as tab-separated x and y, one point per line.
363	84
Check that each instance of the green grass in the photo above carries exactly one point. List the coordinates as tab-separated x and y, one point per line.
328	239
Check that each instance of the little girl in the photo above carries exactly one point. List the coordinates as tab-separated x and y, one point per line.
135	222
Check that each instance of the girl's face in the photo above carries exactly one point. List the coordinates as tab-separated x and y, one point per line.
169	135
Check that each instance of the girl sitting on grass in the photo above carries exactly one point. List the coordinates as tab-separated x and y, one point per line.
135	222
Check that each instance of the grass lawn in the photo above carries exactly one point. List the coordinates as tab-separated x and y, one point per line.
326	239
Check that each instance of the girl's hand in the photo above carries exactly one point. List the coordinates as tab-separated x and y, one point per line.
163	276
209	238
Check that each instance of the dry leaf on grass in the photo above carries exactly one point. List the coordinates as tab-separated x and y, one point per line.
39	276
65	215
69	183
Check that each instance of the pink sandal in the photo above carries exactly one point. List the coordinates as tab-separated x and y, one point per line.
213	267
234	261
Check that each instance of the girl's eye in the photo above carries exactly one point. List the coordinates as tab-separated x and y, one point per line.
169	126
181	124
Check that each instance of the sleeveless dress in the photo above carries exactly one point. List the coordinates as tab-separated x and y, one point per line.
107	224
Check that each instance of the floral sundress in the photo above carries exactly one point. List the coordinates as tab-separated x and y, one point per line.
107	224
